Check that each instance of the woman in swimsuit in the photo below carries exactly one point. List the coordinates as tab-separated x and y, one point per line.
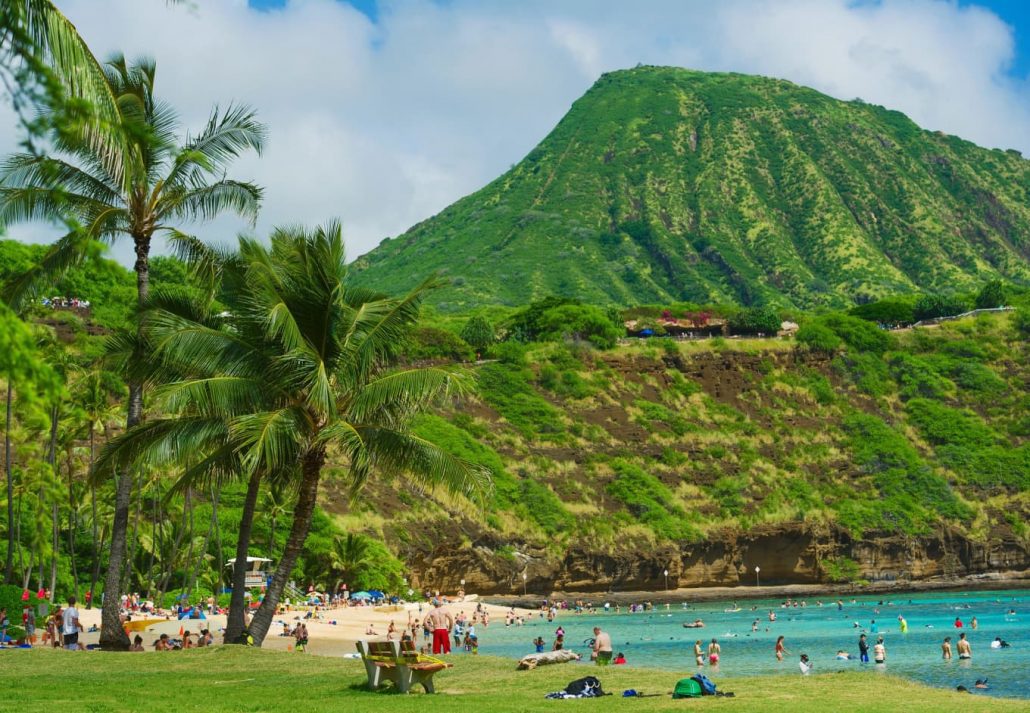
780	650
713	653
698	653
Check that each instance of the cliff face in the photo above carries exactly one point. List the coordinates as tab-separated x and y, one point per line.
789	554
709	458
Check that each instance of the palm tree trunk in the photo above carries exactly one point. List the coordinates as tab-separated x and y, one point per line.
9	566
216	495
155	545
55	530
170	566
72	525
237	604
95	566
112	635
311	471
187	584
207	543
130	561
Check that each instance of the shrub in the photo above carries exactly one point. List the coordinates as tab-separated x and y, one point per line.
755	320
818	337
581	323
990	295
890	310
868	372
431	343
509	391
932	306
841	569
649	501
478	332
941	424
916	377
858	334
543	506
911	494
512	353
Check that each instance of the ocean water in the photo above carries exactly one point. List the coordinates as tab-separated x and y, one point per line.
657	638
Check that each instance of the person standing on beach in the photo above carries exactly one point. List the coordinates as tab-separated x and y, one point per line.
965	651
946	649
781	651
863	649
440	622
70	626
602	649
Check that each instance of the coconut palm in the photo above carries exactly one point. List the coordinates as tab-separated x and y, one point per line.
299	373
127	179
348	556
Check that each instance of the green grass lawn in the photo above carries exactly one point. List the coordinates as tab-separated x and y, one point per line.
235	679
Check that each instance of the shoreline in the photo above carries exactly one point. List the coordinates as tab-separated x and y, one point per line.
999	581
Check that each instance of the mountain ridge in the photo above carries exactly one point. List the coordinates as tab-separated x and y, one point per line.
665	184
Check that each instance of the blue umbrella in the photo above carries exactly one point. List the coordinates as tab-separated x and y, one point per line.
376	594
360	595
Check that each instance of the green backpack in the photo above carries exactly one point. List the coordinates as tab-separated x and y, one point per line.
687	688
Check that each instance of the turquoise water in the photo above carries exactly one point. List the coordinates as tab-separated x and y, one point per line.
658	639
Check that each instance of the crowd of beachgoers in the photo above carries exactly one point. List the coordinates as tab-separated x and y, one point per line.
440	625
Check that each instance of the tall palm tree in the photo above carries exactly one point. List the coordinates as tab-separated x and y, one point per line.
128	178
300	372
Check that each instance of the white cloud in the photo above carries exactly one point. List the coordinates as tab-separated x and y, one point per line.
383	124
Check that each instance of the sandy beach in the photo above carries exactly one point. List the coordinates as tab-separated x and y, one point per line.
331	633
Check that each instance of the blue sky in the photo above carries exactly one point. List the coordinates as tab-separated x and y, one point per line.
1015	13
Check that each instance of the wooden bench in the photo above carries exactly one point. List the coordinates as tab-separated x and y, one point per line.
400	663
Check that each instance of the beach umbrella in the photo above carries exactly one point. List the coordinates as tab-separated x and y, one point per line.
376	594
360	595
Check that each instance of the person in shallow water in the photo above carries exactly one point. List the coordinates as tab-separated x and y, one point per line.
880	651
714	650
965	651
863	649
946	649
781	651
699	655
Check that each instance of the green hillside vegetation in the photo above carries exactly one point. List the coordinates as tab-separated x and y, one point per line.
664	185
641	444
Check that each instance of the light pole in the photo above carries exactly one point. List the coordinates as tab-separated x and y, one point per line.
666	573
757	570
524	577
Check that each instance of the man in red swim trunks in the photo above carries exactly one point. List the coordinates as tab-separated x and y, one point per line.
440	623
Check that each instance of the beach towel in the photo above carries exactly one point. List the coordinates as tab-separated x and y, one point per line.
587	687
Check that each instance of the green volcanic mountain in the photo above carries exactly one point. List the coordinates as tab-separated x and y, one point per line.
665	184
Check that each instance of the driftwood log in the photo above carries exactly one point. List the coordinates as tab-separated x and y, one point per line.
549	657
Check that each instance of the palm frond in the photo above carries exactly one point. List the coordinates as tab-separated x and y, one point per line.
426	464
397	395
209	201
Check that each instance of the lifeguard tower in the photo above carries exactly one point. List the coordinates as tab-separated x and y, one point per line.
257	577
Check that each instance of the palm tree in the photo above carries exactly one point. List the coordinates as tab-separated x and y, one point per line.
349	556
128	178
298	373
